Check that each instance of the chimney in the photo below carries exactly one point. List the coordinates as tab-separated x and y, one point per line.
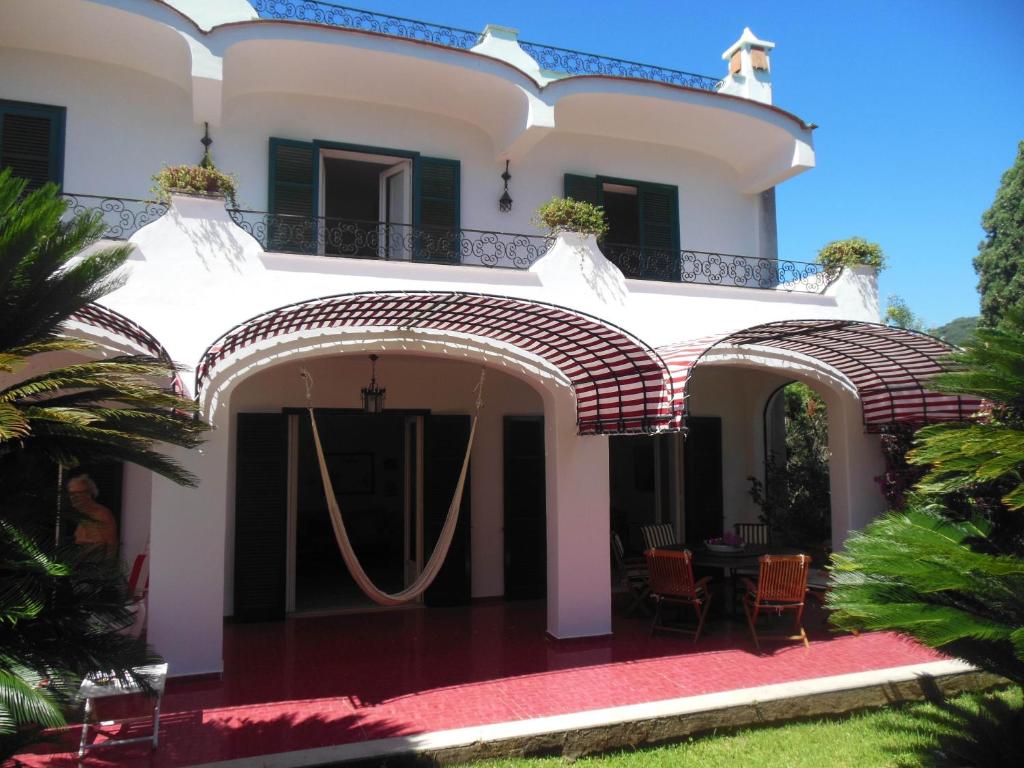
750	74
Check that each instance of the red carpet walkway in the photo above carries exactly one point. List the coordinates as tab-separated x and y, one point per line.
321	681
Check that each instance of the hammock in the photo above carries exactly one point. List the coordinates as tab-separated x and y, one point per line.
433	566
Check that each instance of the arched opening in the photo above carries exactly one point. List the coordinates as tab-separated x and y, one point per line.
393	475
793	494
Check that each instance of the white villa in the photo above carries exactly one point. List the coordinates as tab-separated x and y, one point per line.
388	174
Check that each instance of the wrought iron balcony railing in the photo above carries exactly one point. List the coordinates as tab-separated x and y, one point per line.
570	62
706	268
317	12
325	236
122	216
558	60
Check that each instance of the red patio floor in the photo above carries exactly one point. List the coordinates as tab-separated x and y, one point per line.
316	682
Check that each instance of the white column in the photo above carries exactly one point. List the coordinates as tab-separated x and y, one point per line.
186	595
854	464
578	554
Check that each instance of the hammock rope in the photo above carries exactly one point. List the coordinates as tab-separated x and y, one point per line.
437	557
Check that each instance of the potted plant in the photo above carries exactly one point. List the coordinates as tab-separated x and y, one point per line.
564	214
852	252
203	179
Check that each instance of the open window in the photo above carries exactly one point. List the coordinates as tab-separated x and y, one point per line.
366	204
643	223
371	203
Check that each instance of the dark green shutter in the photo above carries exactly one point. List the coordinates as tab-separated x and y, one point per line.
659	230
582	188
525	496
32	141
292	197
436	209
261	504
444	448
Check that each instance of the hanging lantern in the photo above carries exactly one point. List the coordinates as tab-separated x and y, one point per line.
505	201
373	396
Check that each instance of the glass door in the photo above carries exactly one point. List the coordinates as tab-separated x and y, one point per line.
396	212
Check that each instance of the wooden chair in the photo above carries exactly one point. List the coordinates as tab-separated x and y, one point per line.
781	586
754	533
672	583
633	574
660	535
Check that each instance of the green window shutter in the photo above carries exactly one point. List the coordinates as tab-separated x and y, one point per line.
659	230
32	141
261	518
292	197
436	209
582	188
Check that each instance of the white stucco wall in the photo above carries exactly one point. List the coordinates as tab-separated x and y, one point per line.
122	125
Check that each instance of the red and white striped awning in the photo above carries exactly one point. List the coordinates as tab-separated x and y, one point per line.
131	333
128	332
889	367
621	383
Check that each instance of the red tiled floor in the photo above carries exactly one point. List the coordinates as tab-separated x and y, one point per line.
316	682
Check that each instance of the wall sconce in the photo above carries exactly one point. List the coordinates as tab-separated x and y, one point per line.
373	396
505	201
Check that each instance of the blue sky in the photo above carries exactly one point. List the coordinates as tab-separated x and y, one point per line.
919	105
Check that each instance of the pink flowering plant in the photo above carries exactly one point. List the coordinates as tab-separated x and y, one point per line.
729	539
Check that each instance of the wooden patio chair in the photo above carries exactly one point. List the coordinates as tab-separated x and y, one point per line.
672	583
633	575
754	533
660	535
781	586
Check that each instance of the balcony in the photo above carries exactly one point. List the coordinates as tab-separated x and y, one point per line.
559	62
351	239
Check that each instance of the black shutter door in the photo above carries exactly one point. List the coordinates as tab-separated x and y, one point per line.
444	448
260	516
702	478
292	197
525	509
32	142
659	231
582	188
436	209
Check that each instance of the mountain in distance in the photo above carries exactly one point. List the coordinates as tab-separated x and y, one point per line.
956	331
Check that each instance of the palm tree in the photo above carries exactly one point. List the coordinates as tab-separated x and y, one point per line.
63	609
950	570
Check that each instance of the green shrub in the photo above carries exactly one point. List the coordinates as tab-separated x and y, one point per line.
195	179
852	252
564	214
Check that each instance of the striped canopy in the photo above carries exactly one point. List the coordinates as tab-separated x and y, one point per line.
621	384
128	331
889	367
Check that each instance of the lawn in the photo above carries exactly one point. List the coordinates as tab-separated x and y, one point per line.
889	737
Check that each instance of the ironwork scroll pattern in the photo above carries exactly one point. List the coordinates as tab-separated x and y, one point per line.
391	242
707	268
368	21
122	217
570	62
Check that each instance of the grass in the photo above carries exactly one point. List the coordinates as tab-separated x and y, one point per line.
899	737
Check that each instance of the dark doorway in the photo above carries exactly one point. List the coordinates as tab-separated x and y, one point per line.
702	478
525	508
639	467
